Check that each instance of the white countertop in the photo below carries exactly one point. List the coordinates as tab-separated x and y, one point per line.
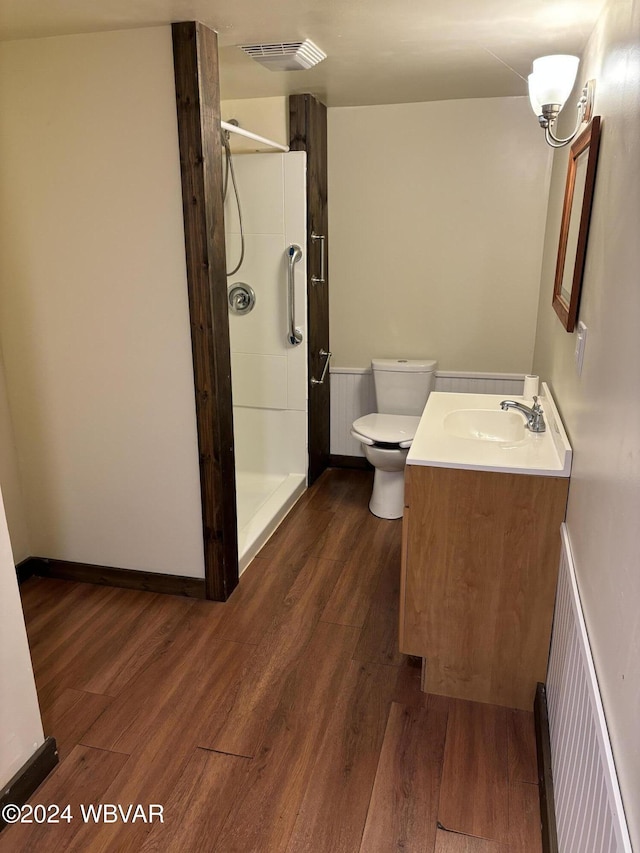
546	454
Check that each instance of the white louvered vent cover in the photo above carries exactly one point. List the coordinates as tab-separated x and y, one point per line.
286	55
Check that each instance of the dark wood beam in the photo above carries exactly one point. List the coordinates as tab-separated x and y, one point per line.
195	51
308	132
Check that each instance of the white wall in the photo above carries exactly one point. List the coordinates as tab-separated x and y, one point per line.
93	302
20	725
436	219
601	409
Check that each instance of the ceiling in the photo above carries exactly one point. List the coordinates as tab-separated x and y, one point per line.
379	51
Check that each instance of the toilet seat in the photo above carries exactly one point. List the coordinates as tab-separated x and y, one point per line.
386	430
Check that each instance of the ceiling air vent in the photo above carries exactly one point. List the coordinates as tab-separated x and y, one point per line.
286	55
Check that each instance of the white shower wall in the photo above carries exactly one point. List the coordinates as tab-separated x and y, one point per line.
269	376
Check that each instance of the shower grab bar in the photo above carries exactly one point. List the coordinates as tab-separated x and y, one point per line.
314	278
323	354
294	253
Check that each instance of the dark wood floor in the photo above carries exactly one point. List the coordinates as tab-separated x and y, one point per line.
283	720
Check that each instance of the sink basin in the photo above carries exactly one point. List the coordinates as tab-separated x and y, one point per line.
472	432
485	425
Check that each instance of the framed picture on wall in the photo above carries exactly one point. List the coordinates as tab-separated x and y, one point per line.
574	227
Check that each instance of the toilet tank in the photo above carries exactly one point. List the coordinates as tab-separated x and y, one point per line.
402	385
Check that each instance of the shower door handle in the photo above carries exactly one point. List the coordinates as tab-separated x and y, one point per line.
327	355
314	278
294	254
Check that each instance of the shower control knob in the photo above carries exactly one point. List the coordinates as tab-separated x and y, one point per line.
241	298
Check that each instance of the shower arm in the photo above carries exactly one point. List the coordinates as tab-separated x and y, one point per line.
294	254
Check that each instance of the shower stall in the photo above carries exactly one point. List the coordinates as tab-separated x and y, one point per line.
265	232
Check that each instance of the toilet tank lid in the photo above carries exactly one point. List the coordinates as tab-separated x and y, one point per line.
406	365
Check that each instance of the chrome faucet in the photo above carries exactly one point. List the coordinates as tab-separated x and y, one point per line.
534	415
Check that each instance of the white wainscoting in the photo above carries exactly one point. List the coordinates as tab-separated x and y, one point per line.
588	807
352	396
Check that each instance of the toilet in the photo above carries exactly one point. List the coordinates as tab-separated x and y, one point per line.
402	387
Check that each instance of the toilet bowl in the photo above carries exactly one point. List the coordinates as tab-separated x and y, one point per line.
402	387
385	441
387	497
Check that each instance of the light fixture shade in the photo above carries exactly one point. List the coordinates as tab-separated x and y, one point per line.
535	106
553	78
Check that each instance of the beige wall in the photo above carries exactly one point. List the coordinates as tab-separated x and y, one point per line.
268	117
436	218
93	303
10	477
601	409
20	726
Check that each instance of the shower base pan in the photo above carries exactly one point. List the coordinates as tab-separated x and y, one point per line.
263	500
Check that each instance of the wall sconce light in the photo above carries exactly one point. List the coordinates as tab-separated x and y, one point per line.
550	85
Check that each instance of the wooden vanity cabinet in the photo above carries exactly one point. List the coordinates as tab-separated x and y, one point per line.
480	555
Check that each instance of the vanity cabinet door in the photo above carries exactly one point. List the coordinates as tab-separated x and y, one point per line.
480	562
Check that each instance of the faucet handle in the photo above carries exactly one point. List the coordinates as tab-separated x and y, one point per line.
536	423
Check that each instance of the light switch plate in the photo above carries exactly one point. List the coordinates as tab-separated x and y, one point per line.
581	340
